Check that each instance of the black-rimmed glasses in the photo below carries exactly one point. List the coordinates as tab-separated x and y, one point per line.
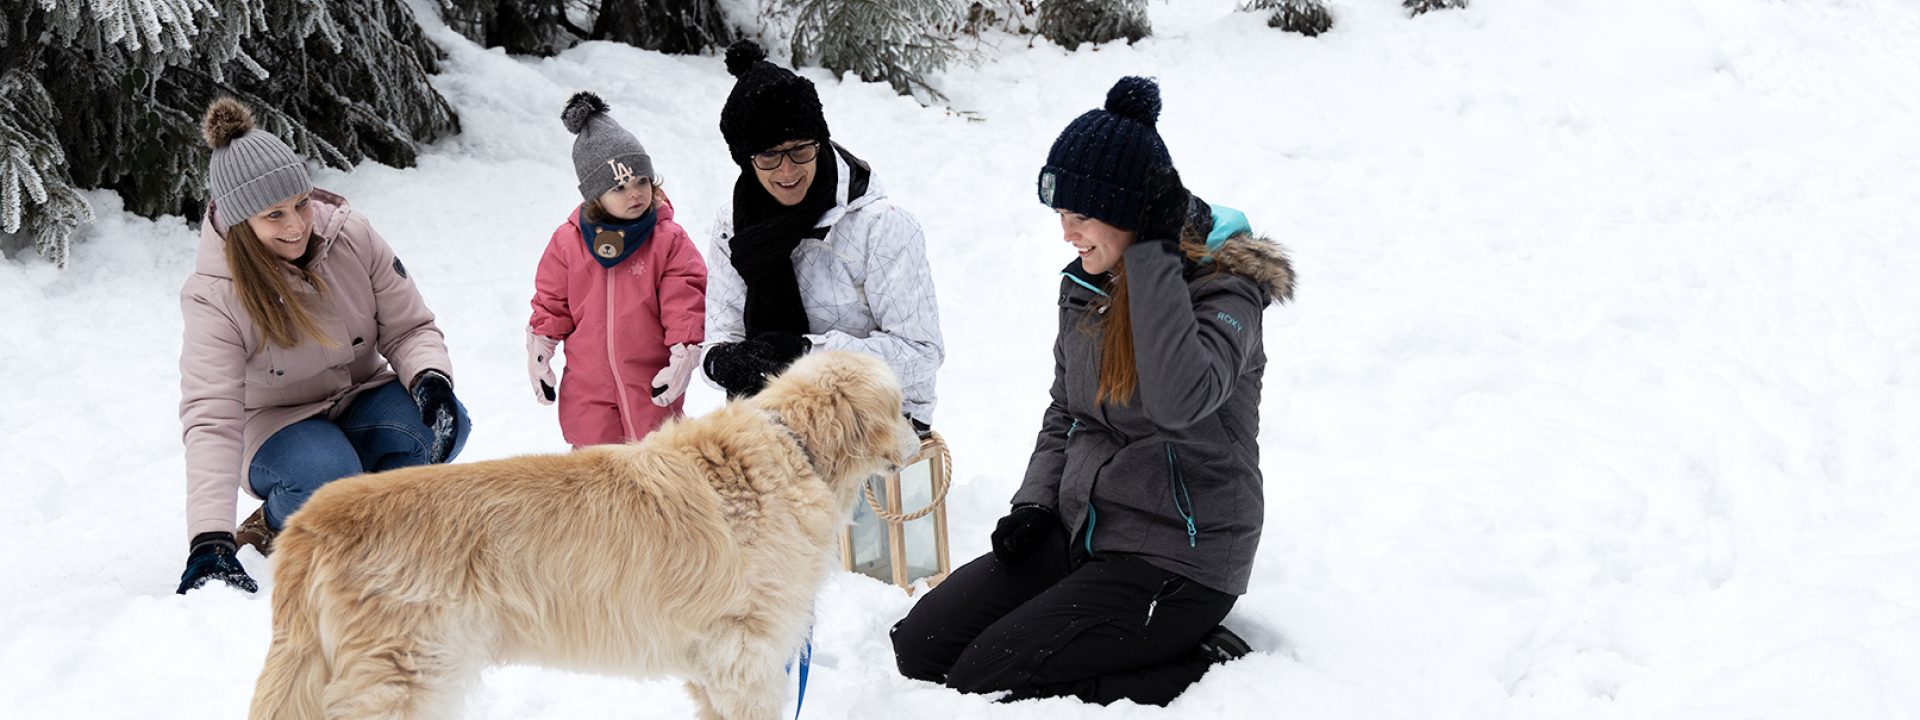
798	155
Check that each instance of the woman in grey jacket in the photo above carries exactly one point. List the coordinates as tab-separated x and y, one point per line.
1135	528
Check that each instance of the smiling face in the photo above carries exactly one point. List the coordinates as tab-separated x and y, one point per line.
1098	243
788	181
285	227
628	200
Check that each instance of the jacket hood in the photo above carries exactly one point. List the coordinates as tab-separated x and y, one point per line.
855	187
1260	259
330	213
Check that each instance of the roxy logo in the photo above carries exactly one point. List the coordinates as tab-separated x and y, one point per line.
1046	187
621	173
1228	319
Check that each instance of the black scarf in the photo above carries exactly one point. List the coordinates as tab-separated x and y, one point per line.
765	234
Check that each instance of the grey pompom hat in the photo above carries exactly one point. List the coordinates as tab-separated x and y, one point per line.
251	169
604	154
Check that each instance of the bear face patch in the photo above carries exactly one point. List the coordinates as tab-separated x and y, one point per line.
609	243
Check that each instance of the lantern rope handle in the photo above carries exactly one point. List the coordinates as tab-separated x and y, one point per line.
941	480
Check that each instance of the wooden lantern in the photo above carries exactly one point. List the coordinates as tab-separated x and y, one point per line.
886	542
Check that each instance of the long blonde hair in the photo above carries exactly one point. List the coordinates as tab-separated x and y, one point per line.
1119	371
284	317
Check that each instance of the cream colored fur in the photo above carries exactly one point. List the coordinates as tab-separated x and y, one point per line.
695	552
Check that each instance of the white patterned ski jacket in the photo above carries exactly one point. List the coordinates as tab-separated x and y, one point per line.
866	287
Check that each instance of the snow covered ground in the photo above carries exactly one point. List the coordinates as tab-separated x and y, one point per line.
1599	399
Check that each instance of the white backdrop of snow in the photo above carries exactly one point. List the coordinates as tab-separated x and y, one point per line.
1598	400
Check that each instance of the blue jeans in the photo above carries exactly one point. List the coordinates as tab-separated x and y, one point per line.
381	430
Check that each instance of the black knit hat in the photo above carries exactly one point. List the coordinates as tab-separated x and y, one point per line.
1098	166
769	105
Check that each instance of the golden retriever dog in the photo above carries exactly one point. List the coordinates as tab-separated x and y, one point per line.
695	552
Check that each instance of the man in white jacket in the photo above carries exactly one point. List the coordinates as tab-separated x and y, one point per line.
810	253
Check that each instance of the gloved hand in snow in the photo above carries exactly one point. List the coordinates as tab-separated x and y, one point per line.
212	558
671	381
1170	208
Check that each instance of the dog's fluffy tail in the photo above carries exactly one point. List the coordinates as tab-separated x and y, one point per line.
295	676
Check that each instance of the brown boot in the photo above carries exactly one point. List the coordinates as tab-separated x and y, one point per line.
254	531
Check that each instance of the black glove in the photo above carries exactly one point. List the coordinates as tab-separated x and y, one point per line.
1021	531
1169	206
212	559
919	428
434	394
783	348
742	367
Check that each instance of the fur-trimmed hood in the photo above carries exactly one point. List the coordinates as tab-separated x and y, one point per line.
1259	259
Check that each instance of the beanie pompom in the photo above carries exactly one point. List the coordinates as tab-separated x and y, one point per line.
226	120
742	55
581	107
1137	98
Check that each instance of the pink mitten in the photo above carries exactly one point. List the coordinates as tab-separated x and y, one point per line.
671	381
539	366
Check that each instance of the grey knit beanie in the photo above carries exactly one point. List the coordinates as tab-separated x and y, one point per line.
604	154
251	169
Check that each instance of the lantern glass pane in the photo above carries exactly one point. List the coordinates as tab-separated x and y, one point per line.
871	554
916	491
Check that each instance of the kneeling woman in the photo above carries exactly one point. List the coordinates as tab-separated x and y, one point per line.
298	317
1135	528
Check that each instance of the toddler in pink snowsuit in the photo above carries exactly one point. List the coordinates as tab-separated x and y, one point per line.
622	285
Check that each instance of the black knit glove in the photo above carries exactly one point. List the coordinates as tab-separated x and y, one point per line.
742	367
212	558
1168	207
434	394
1021	531
783	348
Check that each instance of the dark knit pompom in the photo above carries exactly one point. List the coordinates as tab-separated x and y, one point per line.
742	55
581	107
226	120
1137	98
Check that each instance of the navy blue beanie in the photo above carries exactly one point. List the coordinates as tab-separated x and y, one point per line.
1098	166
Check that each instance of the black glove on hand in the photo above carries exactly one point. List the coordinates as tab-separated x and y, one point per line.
1021	531
742	367
434	394
1168	207
783	348
212	559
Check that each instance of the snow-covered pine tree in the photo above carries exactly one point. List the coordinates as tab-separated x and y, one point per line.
1014	16
1307	17
1071	22
115	88
545	27
898	41
671	26
521	27
1416	7
32	169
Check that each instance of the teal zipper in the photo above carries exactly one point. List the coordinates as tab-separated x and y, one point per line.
1178	481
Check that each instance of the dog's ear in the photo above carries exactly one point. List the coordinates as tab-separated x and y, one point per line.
844	404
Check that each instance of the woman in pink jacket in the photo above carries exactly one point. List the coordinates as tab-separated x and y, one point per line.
301	326
622	286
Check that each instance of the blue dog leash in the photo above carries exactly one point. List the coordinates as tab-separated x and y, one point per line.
806	659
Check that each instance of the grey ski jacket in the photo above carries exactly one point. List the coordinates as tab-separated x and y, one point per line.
1173	476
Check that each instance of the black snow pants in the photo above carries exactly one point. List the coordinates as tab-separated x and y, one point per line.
1061	623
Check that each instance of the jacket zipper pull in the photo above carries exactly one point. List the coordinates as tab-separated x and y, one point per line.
1151	604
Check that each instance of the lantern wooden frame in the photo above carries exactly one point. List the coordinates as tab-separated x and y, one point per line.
933	450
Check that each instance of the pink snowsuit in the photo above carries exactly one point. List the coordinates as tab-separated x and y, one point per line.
617	325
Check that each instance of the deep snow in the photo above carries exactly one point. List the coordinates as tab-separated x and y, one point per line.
1598	399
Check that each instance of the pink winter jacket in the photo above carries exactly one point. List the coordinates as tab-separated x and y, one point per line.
617	324
235	393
